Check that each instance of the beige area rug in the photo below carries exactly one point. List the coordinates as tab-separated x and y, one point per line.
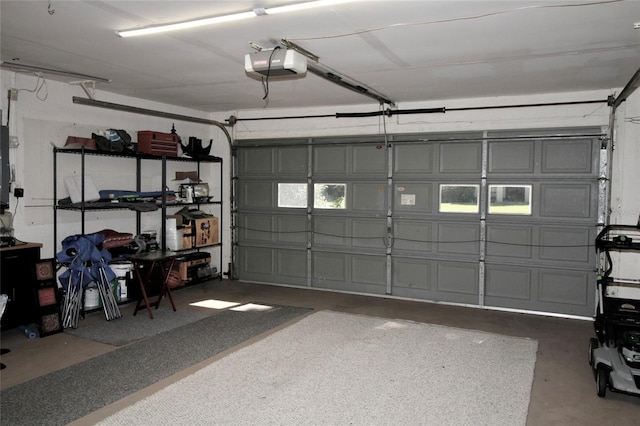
341	369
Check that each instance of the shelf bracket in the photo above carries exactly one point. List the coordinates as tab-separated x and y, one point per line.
90	91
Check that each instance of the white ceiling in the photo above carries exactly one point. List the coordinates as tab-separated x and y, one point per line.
406	50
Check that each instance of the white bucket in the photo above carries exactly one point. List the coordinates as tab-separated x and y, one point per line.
123	271
91	297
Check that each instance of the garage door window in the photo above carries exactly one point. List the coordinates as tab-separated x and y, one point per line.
329	195
292	195
459	199
510	199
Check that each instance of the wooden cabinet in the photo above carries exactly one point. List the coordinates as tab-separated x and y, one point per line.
17	273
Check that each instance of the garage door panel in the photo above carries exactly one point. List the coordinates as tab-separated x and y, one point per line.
330	160
566	200
415	160
283	229
411	273
330	267
461	157
540	289
459	238
369	160
266	264
511	157
564	287
567	156
369	196
256	194
292	161
369	270
456	279
508	282
413	198
369	233
257	261
255	162
291	230
413	235
292	264
331	231
566	244
350	233
511	241
256	228
332	270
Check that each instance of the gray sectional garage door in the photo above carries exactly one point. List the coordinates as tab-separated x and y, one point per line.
493	219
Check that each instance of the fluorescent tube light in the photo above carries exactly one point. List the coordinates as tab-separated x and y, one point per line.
303	6
226	18
186	25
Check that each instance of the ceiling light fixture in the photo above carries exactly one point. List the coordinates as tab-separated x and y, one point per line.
155	29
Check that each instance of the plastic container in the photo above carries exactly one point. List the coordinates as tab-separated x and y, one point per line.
91	296
124	272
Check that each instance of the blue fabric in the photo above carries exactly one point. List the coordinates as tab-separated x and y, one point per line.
86	259
109	194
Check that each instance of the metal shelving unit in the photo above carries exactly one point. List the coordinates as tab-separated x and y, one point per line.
84	206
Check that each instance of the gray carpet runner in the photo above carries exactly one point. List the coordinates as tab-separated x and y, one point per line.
73	392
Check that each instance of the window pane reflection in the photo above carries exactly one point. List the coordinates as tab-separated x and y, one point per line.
292	195
329	195
459	199
510	199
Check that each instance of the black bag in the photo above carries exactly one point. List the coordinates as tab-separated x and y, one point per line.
121	144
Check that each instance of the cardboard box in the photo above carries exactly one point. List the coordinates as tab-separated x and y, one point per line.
190	176
205	231
189	265
187	238
200	231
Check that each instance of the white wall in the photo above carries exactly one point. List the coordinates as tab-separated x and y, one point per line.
37	122
625	177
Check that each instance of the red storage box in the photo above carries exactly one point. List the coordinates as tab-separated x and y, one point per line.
156	143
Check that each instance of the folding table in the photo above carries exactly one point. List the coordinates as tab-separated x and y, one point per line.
144	265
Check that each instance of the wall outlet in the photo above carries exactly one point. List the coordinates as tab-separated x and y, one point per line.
13	142
13	94
18	192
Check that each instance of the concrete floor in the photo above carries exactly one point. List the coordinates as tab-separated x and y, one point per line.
563	392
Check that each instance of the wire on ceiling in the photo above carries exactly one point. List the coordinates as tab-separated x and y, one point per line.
463	18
